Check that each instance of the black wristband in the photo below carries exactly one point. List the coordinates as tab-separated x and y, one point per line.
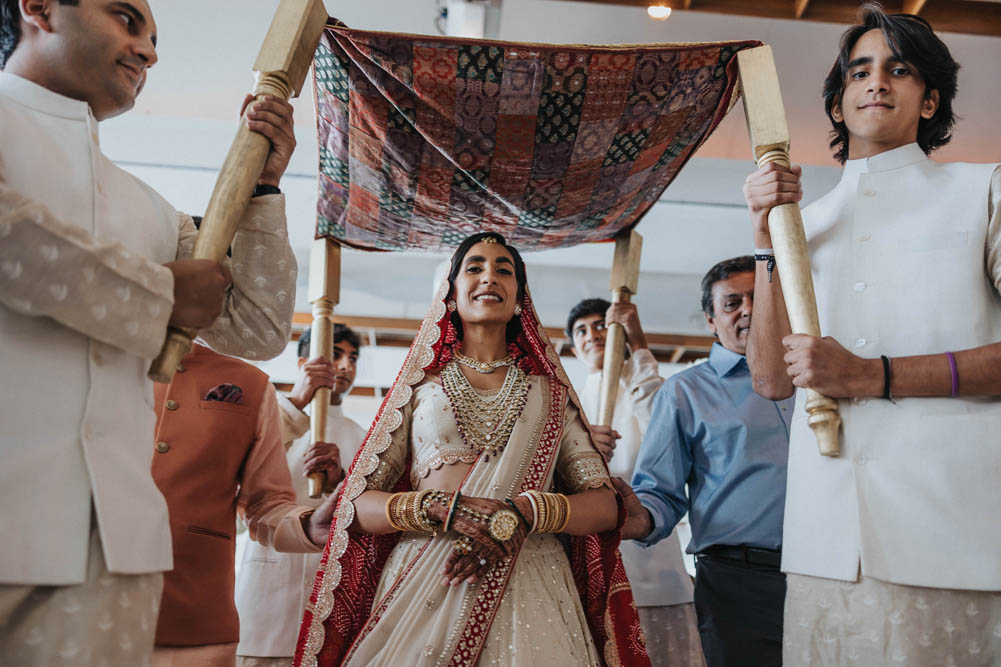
262	189
770	265
453	506
886	377
517	511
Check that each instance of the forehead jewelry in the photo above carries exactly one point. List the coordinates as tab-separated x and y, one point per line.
489	239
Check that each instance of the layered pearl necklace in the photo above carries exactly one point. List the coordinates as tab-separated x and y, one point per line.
485	422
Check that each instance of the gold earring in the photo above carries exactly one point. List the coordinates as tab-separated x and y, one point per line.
451	305
517	309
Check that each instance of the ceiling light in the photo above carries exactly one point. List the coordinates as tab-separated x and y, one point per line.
658	12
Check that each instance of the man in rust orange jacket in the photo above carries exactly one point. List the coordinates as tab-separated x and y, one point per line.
218	452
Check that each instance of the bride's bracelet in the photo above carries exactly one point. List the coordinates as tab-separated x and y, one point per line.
407	511
550	511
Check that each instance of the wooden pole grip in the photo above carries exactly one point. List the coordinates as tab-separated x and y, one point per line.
785	225
611	369
176	346
282	64
321	344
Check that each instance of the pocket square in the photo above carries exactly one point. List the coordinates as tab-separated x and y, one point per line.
225	393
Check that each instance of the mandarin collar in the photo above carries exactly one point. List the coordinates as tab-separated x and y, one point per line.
724	361
902	156
30	94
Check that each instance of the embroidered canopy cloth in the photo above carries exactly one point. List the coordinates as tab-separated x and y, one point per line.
425	140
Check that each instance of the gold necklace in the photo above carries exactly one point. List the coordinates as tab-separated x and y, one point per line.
484	367
485	422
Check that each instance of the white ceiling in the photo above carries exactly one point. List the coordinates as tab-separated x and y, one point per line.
181	127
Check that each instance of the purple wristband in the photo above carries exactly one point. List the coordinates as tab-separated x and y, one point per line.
955	373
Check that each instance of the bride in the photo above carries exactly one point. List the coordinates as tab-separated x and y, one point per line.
477	524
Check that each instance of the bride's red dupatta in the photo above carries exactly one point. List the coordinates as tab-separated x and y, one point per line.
344	591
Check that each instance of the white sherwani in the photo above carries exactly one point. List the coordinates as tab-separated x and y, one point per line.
272	588
657	574
84	304
906	256
892	549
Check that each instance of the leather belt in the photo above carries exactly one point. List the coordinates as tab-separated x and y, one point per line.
766	558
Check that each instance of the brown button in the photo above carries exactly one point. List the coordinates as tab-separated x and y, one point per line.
171	404
162	447
181	368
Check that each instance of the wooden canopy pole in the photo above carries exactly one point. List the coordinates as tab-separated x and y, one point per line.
766	125
625	275
281	65
324	294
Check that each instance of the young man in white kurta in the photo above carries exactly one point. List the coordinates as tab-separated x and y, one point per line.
273	588
661	585
892	549
85	300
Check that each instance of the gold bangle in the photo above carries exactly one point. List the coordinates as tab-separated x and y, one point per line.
566	513
400	511
390	502
554	513
543	519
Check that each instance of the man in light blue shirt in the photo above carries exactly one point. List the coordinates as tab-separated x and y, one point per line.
711	433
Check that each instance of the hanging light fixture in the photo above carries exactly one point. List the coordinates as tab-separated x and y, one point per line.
658	12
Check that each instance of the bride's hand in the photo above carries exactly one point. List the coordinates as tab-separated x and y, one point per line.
471	566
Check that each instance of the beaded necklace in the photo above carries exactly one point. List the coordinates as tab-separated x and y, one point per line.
485	422
481	367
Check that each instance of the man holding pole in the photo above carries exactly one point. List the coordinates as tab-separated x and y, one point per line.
272	588
660	583
717	451
91	273
892	548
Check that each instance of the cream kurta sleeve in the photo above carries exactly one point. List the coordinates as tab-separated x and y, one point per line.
641	385
49	268
266	501
295	422
993	247
257	317
578	464
54	269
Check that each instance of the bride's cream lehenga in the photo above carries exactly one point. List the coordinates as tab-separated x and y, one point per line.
379	600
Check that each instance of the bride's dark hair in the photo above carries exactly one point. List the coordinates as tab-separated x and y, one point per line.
519	274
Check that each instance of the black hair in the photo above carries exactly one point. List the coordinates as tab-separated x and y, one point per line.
341	332
514	326
10	27
722	271
912	41
585	308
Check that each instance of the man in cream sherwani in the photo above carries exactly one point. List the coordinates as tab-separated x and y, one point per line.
91	273
273	588
893	549
660	583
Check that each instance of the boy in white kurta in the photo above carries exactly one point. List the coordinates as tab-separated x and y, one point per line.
661	585
272	588
90	278
892	549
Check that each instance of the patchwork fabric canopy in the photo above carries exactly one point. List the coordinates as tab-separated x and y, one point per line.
425	140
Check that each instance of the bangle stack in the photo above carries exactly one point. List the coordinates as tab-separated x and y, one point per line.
407	511
551	511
